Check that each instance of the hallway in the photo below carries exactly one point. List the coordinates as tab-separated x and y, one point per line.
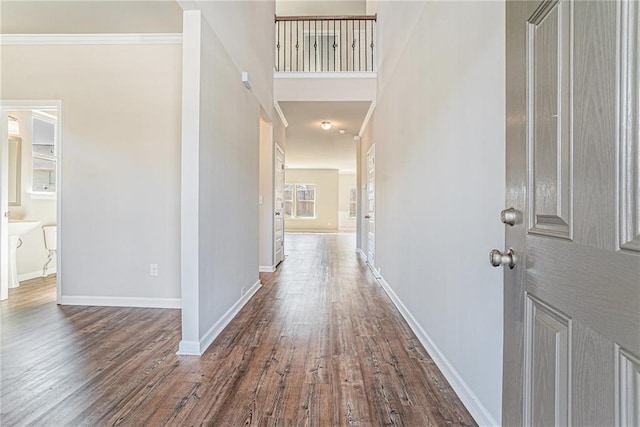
320	344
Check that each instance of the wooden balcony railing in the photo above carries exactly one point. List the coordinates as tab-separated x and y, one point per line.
325	43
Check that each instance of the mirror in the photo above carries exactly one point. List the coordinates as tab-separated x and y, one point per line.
15	190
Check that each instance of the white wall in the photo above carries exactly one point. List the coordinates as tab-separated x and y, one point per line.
120	187
439	135
90	17
326	182
320	7
246	32
32	255
220	180
229	148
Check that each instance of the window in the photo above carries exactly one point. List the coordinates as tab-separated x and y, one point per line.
288	200
300	200
305	200
353	202
44	155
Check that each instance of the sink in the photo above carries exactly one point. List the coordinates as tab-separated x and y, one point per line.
18	228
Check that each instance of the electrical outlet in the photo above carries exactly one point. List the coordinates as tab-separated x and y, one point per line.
153	269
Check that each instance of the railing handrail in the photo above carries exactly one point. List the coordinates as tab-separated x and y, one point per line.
328	18
325	43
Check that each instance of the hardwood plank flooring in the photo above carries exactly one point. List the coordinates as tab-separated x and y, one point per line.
320	344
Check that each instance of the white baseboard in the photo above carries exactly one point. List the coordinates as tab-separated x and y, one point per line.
35	274
121	302
189	348
266	268
477	410
361	253
192	348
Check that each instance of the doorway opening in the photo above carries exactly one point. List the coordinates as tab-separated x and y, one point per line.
321	185
30	203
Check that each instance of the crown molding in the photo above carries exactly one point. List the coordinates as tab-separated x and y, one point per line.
89	39
276	106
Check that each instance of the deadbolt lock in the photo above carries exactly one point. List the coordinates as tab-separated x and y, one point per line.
509	216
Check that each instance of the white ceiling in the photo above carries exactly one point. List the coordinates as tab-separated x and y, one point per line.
311	147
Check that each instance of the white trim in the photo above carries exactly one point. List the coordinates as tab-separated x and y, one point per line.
326	75
266	268
375	271
191	348
365	122
276	106
190	180
477	410
34	275
121	301
89	39
361	253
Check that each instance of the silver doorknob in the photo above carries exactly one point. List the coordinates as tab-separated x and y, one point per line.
367	216
497	258
277	213
509	216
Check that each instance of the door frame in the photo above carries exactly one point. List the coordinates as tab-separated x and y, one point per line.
5	107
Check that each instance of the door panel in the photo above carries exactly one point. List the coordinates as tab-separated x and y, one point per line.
572	304
279	205
628	393
630	128
549	143
4	204
371	208
547	366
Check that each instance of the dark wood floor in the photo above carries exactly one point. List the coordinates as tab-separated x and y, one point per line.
319	345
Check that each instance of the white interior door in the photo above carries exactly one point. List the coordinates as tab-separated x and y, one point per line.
370	215
279	205
572	302
4	205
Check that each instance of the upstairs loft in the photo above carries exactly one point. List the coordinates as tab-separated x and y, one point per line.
325	58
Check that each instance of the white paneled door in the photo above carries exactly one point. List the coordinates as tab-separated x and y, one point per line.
279	205
572	300
4	204
370	211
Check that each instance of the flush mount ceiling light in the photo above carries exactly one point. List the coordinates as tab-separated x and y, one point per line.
342	131
326	125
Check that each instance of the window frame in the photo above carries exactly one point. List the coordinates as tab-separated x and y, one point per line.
294	201
353	191
291	200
